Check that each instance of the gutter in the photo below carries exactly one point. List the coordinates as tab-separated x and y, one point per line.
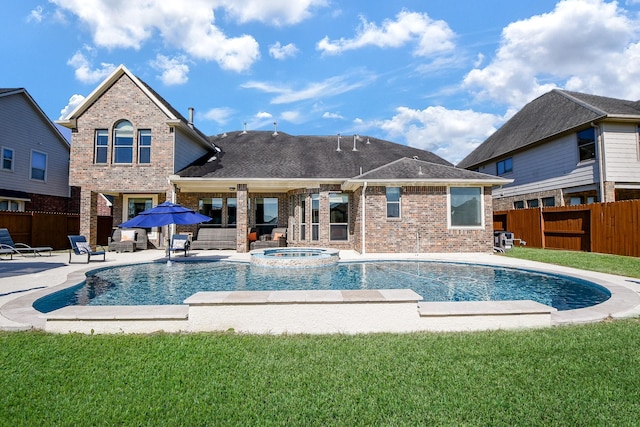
600	161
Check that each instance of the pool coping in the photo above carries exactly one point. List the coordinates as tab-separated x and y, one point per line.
18	313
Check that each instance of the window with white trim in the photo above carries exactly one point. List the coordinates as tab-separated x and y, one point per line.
38	166
144	146
101	146
587	144
339	216
123	142
465	207
393	202
7	159
315	216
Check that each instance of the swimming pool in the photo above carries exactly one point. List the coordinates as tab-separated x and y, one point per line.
164	284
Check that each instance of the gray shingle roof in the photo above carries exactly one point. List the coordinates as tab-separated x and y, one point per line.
260	154
413	169
551	114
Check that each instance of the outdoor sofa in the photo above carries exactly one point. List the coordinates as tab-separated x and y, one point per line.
215	238
277	238
128	240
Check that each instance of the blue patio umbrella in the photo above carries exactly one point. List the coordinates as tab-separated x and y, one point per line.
164	214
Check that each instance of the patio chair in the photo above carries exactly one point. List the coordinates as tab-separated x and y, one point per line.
80	247
180	242
128	240
8	246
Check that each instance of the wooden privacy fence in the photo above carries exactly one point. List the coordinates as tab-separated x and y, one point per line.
49	229
610	228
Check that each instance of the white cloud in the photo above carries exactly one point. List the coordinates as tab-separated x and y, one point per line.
451	134
74	101
282	52
582	45
191	29
332	86
174	70
36	15
83	70
292	116
430	36
263	115
218	115
328	115
275	12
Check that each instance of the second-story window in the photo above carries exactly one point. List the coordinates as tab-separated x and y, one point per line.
144	146
38	166
587	144
101	146
123	143
504	166
7	159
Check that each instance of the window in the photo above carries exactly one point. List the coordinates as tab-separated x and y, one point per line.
303	216
135	205
144	146
518	204
505	166
465	205
232	210
101	146
587	144
38	166
7	159
533	203
339	216
267	211
393	202
211	207
575	200
123	143
315	217
548	201
11	205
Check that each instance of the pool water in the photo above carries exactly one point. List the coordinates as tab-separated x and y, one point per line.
162	283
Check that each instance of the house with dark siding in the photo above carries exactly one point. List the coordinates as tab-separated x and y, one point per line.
340	191
564	148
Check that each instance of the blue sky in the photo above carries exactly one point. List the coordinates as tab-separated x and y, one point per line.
438	75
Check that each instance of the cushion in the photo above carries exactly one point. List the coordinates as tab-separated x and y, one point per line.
83	247
253	236
277	236
128	235
179	244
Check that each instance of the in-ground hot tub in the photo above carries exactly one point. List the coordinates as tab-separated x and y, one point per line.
294	257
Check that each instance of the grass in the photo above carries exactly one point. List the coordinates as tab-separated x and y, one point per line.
604	263
576	375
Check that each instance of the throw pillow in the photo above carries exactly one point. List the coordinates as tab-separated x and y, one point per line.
277	236
83	247
179	244
128	235
253	236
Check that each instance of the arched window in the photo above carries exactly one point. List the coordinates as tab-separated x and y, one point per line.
123	142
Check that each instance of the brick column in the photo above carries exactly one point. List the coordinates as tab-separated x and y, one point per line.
89	215
609	192
242	218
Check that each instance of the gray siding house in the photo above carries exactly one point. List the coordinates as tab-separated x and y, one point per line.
34	168
564	148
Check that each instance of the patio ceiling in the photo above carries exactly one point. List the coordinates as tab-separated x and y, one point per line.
254	185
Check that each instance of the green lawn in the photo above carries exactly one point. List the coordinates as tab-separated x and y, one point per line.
577	375
586	375
613	264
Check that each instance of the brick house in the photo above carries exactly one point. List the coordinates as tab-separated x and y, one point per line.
564	148
34	170
344	192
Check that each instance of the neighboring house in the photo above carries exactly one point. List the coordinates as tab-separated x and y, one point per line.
564	148
353	192
34	169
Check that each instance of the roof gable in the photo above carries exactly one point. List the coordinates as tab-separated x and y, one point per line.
418	170
551	114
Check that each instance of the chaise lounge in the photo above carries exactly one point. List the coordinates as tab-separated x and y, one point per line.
215	238
9	247
80	247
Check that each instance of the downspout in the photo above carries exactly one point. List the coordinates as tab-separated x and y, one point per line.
600	161
364	236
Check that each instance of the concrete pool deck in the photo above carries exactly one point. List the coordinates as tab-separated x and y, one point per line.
24	279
